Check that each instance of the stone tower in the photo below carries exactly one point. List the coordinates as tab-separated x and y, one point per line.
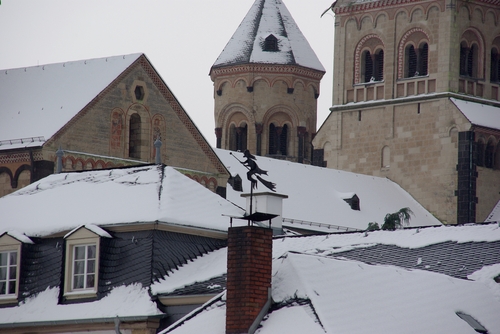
416	99
266	85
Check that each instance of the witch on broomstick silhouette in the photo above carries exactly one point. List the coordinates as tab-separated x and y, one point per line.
253	169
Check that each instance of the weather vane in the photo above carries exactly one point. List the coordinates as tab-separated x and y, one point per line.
253	169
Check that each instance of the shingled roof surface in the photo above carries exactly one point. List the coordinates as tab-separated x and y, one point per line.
380	281
265	18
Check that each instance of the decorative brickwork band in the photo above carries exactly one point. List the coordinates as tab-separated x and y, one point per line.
249	269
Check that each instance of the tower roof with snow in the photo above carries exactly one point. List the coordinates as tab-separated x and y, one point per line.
268	35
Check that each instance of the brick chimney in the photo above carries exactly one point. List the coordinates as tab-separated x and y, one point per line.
249	270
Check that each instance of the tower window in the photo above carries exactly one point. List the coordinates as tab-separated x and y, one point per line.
495	66
238	137
373	66
278	139
271	43
416	60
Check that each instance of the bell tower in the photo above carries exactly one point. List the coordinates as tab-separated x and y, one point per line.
266	85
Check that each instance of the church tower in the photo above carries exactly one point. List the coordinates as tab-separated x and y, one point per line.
266	85
416	99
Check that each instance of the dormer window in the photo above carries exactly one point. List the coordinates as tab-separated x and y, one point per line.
353	202
271	43
10	258
82	261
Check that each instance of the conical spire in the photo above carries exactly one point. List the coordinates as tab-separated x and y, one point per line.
268	35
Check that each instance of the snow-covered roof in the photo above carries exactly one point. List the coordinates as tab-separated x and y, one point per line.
265	18
317	194
61	202
479	113
38	101
315	292
214	264
123	301
494	216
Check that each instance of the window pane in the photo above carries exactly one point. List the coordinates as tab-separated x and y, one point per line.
79	252
91	252
12	287
78	282
79	267
13	272
90	281
3	274
3	259
3	285
13	258
91	266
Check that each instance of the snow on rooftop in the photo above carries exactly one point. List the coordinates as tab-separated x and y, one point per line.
214	264
354	297
37	101
61	202
264	18
317	194
494	216
18	236
479	113
123	301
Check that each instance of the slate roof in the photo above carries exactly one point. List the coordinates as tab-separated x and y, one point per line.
449	258
37	101
126	258
454	259
265	18
214	285
353	283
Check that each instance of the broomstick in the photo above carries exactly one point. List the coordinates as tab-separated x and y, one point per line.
254	171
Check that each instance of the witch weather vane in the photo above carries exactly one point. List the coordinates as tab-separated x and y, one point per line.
253	169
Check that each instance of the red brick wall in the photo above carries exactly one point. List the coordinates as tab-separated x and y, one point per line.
249	266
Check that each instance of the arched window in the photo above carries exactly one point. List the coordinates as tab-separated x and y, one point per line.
278	139
369	60
495	65
468	60
367	67
489	154
372	66
416	60
238	137
471	54
378	65
134	143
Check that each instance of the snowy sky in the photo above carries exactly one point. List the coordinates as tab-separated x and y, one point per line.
181	38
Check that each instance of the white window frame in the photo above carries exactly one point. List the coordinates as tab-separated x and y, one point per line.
79	238
8	245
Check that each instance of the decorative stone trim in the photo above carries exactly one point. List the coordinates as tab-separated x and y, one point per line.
267	69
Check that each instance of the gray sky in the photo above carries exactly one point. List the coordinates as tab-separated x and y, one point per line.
182	38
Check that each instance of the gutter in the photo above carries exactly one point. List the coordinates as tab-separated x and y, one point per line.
80	321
